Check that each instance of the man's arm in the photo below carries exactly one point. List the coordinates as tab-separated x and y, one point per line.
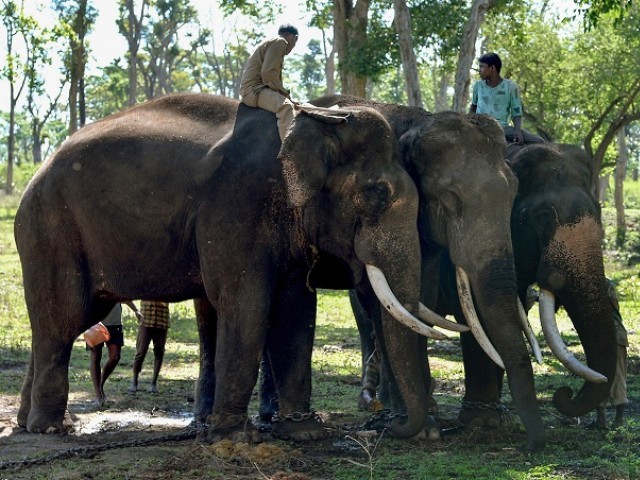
518	136
271	71
133	307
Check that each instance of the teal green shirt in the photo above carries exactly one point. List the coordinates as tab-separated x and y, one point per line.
501	102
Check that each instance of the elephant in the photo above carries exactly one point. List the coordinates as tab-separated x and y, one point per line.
466	191
557	233
193	196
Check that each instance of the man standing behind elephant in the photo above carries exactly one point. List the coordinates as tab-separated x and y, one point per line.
499	98
261	84
154	323
618	393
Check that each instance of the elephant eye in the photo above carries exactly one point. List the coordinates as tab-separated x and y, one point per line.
451	202
374	198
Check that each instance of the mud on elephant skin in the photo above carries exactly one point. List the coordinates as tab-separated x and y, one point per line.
468	218
184	197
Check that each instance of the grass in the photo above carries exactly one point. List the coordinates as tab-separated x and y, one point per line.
573	452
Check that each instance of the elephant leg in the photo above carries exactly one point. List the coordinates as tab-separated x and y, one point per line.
240	338
290	345
55	294
25	395
207	319
267	392
370	357
50	386
481	405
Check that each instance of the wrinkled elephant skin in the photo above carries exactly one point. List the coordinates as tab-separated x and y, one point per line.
185	197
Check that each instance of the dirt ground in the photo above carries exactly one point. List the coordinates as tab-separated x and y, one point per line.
130	443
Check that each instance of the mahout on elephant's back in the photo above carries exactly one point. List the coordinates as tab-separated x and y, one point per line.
186	197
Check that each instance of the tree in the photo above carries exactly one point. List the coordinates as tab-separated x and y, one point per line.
79	17
130	26
162	50
17	26
621	169
467	53
409	64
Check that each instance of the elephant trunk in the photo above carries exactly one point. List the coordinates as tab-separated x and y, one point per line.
495	294
572	268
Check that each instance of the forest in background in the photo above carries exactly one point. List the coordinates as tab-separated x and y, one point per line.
576	65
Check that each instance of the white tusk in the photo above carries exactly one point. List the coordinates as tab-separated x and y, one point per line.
546	304
464	292
395	308
428	315
528	332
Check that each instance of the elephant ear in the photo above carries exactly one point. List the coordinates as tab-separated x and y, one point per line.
308	151
408	143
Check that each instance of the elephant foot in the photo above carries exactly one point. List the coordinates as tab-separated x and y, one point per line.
39	423
23	415
368	402
490	415
237	428
299	427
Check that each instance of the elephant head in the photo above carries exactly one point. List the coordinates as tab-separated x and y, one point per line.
557	236
379	205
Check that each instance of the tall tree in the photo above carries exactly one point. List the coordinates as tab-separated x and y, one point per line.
130	26
409	63
41	105
467	53
350	39
17	26
80	17
621	170
163	52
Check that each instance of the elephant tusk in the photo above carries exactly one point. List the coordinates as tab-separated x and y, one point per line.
428	315
464	292
528	332
394	307
550	329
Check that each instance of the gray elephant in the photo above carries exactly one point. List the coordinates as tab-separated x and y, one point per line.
466	194
186	197
557	234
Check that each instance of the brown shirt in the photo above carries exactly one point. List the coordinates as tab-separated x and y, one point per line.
264	68
154	314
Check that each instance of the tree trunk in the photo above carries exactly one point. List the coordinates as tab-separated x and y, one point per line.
603	186
409	64
133	34
11	147
350	32
329	65
467	53
621	168
442	101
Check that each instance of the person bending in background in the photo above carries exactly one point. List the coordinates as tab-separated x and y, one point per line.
113	322
618	393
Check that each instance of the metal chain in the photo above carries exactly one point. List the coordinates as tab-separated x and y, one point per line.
296	417
190	432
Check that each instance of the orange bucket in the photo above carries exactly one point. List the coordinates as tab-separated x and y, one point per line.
96	335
